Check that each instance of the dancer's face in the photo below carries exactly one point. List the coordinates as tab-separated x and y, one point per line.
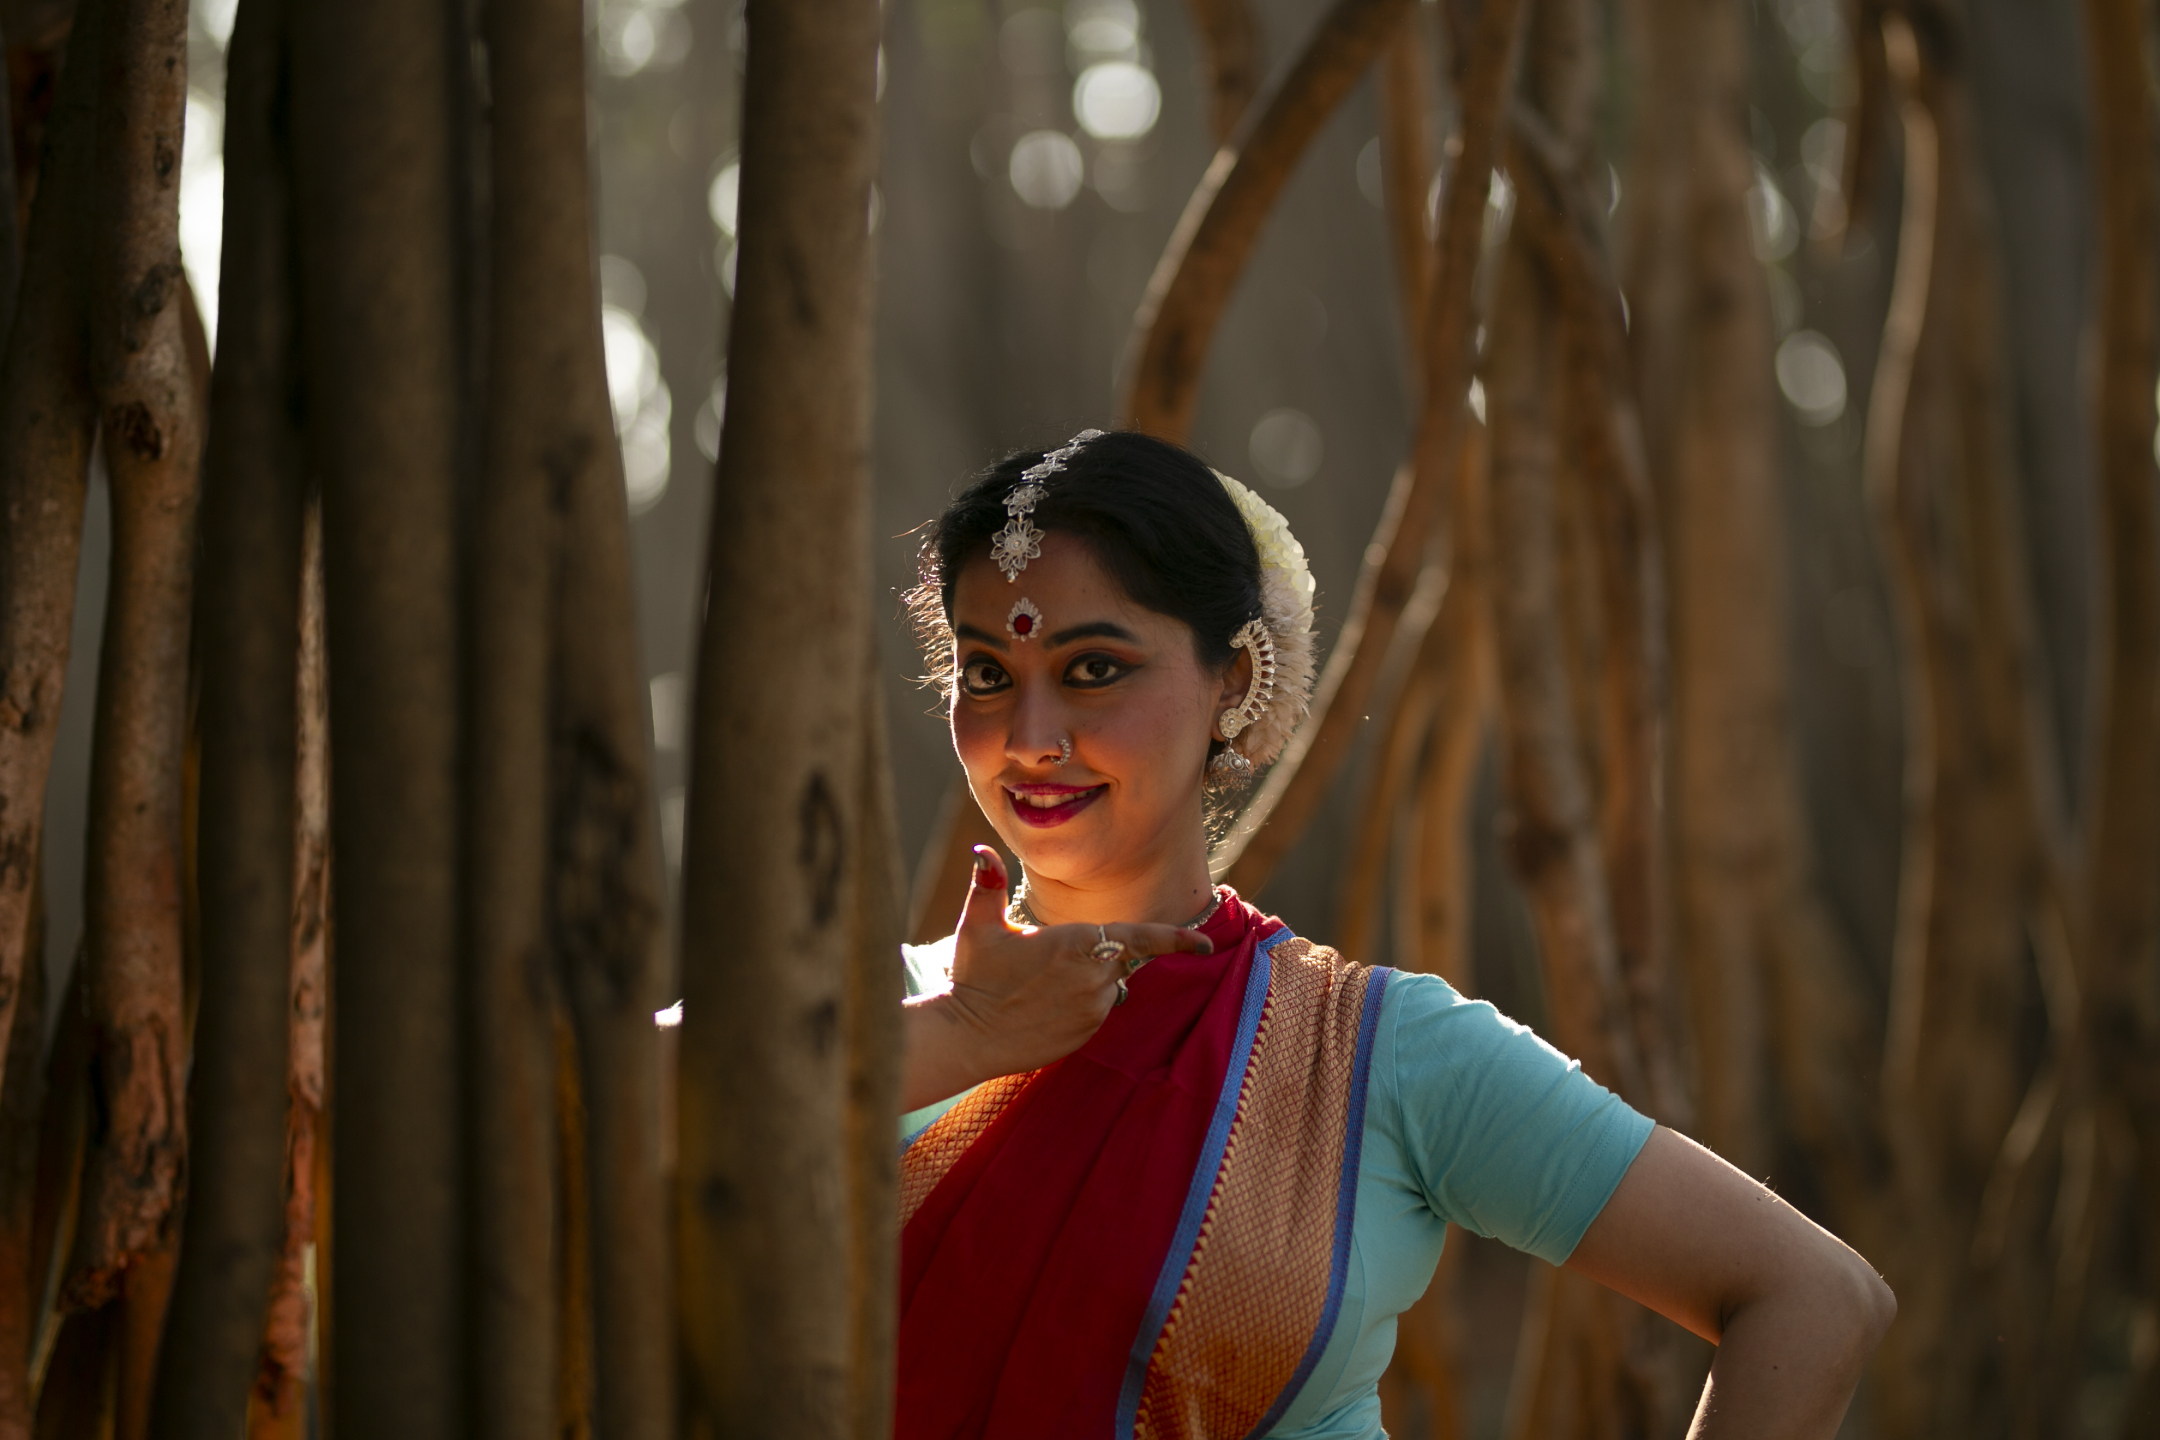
1124	683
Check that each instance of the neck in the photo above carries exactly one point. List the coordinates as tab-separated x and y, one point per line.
1166	895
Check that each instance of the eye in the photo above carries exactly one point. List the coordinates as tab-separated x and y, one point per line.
983	677
1094	671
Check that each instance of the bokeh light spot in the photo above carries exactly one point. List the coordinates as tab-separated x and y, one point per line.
1812	377
1116	100
1286	447
1046	169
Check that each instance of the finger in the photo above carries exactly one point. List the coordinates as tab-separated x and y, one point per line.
985	906
1152	940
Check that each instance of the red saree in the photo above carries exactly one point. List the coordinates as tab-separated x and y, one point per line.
1147	1238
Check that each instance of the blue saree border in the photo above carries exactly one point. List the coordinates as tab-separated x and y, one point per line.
1345	1200
1197	1194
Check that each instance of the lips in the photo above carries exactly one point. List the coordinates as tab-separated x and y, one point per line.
1045	806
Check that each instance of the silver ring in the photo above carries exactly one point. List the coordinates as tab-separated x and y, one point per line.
1106	948
1122	995
1064	750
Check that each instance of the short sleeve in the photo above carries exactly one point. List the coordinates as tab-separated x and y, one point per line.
1505	1135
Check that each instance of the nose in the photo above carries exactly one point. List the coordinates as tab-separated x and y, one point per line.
1037	738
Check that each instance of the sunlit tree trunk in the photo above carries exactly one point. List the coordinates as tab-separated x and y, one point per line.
277	1402
1230	36
776	810
1979	855
379	230
1445	344
127	1240
254	497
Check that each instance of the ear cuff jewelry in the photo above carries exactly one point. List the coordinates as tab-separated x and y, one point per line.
1255	636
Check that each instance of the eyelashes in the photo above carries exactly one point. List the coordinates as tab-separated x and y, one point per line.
982	677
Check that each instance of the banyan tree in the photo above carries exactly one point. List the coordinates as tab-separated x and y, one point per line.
463	789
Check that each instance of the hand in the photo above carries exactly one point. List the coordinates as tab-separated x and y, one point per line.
1021	998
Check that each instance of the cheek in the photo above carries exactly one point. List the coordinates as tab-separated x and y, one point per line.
976	740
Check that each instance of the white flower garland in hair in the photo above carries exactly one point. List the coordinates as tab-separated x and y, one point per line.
1286	604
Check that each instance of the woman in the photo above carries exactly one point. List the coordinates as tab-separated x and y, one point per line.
1190	1199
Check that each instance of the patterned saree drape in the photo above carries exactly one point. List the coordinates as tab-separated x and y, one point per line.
1148	1238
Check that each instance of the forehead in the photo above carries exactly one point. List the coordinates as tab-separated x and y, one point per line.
1066	571
1066	582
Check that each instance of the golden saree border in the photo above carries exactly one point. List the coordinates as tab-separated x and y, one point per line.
940	1144
1252	1285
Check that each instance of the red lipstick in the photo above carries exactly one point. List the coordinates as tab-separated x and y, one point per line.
1045	806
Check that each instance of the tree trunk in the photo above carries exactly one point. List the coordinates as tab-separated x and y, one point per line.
770	889
22	1284
609	914
1230	37
2121	909
538	438
125	1246
47	418
254	499
379	228
1553	837
1206	254
1293	790
875	984
277	1406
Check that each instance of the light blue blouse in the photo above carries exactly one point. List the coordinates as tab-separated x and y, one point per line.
1470	1118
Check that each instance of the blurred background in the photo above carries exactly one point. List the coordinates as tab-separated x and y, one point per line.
1035	160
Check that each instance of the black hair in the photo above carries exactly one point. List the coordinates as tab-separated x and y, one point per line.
1152	514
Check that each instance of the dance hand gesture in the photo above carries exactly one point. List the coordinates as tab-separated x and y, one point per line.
1021	998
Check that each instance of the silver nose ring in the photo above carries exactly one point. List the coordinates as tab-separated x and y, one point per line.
1064	750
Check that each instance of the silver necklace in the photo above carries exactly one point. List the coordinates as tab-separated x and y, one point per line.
1021	913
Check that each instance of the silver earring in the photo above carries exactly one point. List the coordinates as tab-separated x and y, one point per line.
1064	750
1229	772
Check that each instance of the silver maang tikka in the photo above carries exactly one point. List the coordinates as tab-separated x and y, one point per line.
1020	542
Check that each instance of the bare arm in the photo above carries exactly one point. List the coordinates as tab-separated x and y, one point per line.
1020	998
1794	1312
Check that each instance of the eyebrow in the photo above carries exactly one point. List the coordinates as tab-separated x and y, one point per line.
1100	629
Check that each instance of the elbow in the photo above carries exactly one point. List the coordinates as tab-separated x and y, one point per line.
1878	1307
1869	1306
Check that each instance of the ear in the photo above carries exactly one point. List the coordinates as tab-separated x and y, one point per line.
1236	680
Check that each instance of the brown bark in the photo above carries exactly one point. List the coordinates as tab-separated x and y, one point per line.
2120	911
1553	838
1746	921
1230	38
250	626
125	1244
1406	166
11	239
1200	266
47	415
776	801
1622	692
1293	790
873	1111
608	891
1978	856
22	1283
277	1403
539	436
380	226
